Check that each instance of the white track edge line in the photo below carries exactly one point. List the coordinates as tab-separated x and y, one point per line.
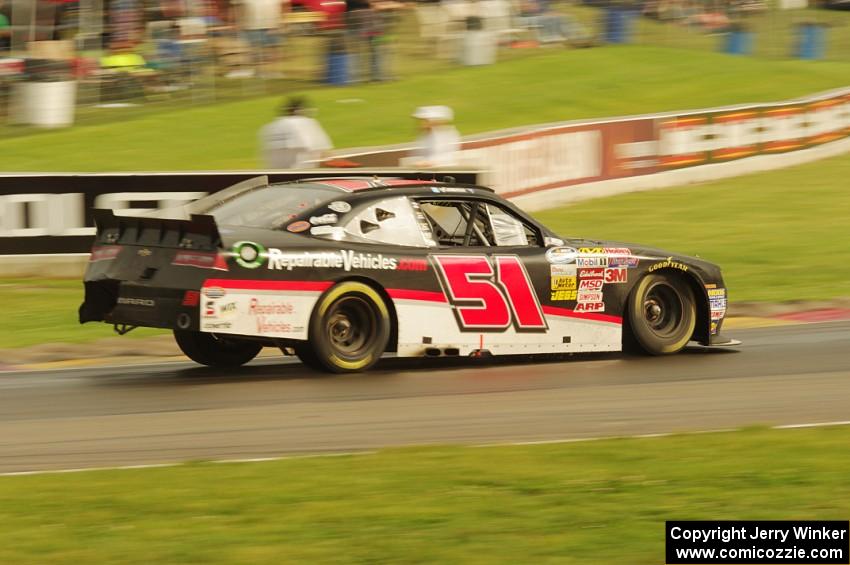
352	453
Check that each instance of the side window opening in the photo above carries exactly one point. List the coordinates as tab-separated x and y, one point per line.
456	223
477	224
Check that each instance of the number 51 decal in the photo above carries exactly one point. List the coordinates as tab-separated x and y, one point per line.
489	295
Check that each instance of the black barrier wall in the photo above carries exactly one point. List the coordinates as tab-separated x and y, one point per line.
52	213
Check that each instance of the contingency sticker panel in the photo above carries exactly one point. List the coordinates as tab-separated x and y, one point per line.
276	309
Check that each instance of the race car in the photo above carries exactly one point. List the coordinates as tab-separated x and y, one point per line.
340	271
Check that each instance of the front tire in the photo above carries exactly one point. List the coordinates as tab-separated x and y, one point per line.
349	329
661	313
215	350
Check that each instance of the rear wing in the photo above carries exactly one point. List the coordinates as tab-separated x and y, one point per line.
198	232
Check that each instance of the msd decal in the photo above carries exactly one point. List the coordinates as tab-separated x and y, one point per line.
490	294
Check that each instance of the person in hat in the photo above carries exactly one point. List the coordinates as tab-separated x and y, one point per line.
295	140
439	141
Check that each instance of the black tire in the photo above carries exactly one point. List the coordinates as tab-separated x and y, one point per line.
349	329
215	350
661	314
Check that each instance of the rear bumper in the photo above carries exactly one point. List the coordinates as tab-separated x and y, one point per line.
131	304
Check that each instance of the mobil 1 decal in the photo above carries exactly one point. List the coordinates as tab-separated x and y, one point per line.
490	293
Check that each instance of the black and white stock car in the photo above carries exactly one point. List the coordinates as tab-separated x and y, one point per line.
340	271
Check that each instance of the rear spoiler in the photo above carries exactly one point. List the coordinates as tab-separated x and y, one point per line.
199	231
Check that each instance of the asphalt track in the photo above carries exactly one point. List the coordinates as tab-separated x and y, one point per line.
176	412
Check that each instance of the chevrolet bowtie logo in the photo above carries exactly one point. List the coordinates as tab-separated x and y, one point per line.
145	252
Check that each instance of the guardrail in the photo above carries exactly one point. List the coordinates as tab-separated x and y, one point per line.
561	155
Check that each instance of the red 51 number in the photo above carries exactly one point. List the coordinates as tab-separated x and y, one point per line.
490	295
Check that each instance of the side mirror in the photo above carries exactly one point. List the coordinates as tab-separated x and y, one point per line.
549	241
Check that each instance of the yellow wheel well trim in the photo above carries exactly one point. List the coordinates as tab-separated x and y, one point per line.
343	288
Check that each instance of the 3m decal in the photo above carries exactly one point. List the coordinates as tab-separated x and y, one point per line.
616	276
485	297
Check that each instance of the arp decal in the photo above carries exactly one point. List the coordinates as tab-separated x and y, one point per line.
489	295
590	307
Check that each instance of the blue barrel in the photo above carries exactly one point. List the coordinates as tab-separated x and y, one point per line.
738	42
811	41
618	25
337	68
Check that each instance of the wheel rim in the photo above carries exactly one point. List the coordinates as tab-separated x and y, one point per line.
351	325
663	310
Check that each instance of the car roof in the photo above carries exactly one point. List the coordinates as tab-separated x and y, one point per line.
377	184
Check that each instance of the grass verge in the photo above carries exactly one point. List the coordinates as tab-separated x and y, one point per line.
558	85
598	502
45	311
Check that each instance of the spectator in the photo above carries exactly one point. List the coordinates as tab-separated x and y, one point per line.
439	142
366	26
293	140
260	23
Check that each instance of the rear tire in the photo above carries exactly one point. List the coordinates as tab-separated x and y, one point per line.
661	314
349	329
215	350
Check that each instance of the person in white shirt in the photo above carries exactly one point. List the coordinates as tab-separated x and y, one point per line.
260	25
293	140
439	141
